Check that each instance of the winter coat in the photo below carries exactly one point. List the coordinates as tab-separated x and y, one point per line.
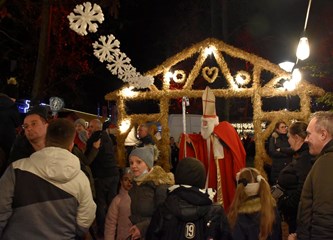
117	222
291	179
9	121
188	213
147	193
280	158
45	196
102	161
315	214
247	226
21	148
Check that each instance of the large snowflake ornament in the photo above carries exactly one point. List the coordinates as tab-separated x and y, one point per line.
141	81
107	47
129	72
118	63
87	15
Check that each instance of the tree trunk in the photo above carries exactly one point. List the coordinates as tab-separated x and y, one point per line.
42	60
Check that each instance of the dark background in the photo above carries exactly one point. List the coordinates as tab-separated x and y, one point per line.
150	31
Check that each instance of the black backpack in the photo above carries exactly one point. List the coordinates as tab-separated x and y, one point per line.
213	225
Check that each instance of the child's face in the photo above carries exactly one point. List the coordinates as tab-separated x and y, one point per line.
126	181
137	166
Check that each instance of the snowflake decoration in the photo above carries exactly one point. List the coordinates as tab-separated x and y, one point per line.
109	46
118	63
141	81
86	16
129	72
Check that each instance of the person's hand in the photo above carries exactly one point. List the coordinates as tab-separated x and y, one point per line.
187	138
292	236
135	232
97	144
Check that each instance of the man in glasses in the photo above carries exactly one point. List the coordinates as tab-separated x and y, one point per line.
34	125
46	195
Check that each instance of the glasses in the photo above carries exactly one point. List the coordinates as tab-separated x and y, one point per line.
283	127
33	124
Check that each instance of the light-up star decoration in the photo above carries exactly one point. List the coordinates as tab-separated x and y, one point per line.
56	104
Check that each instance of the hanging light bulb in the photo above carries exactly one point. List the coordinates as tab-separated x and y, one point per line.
303	49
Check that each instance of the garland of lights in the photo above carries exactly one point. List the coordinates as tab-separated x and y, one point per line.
108	49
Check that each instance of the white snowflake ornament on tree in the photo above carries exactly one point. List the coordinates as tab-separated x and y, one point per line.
106	48
87	14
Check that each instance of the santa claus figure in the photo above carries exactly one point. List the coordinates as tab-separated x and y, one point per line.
219	148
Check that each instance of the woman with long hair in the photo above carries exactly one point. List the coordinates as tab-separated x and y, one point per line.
253	213
293	176
279	150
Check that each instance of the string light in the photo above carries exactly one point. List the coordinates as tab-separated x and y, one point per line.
209	50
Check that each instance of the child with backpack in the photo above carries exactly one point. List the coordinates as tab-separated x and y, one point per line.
189	212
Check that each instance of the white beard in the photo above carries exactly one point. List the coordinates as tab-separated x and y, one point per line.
206	131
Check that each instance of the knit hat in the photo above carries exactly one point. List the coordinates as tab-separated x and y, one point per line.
80	121
190	171
11	88
39	110
146	154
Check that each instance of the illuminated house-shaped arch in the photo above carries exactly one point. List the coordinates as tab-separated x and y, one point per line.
255	88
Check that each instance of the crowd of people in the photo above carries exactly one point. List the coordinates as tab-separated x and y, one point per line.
61	179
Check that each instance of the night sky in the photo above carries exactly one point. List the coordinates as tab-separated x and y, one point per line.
150	31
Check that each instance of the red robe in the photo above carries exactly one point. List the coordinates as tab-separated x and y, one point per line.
233	161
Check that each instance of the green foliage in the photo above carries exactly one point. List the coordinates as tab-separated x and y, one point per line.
327	99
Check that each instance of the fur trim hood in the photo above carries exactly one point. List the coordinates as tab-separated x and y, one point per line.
158	176
251	205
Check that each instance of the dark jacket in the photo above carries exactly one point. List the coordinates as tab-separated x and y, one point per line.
147	193
9	121
280	158
315	214
247	225
102	161
21	148
188	213
291	179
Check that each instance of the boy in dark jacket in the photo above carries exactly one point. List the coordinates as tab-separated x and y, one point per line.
188	212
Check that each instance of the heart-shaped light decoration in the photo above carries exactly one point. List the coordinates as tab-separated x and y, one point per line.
210	74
